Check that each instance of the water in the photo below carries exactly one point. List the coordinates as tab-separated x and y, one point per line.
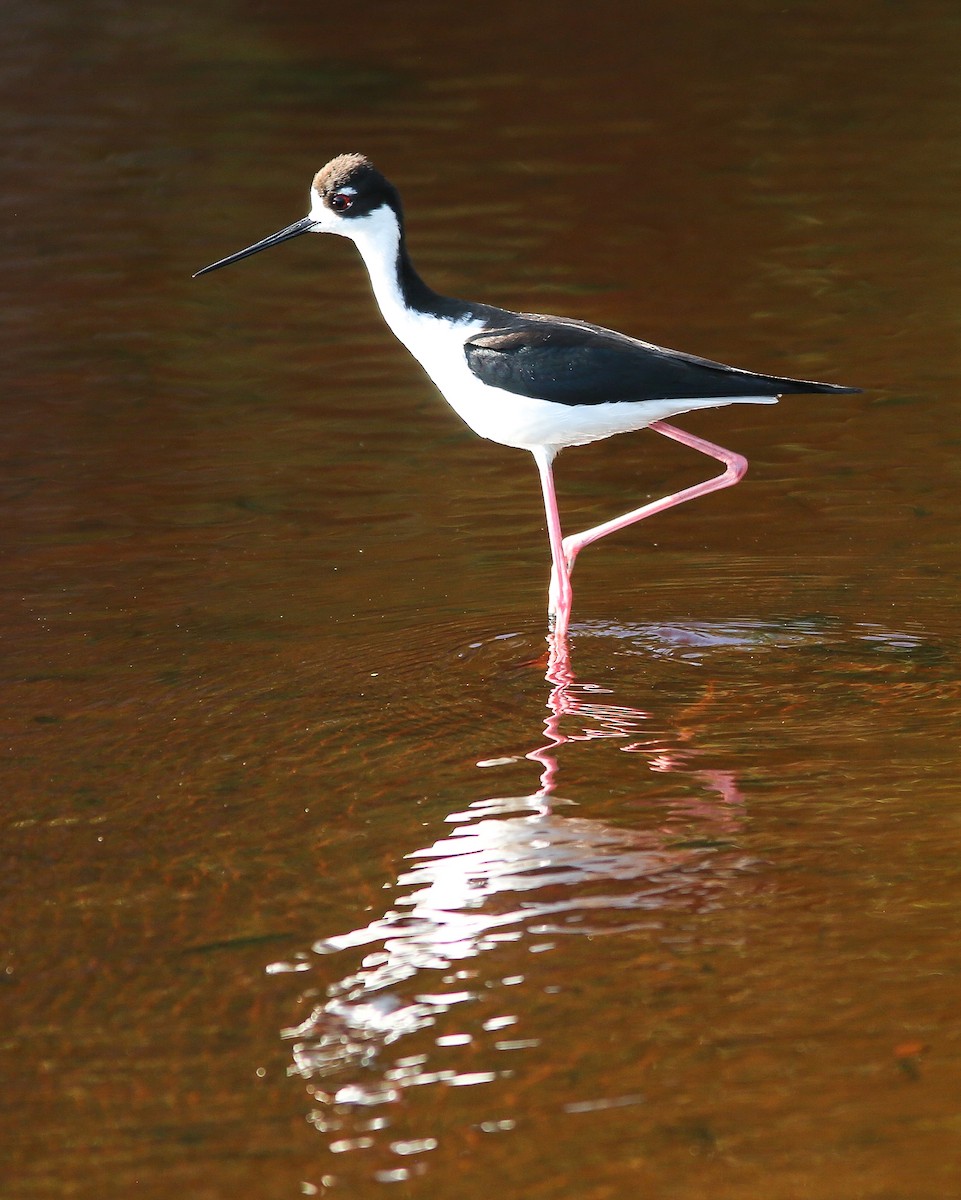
314	882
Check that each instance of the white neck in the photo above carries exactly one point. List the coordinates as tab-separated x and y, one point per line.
433	333
377	237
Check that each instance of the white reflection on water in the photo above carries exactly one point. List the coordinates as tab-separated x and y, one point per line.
457	957
515	874
696	641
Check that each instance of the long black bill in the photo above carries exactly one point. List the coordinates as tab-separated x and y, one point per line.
304	225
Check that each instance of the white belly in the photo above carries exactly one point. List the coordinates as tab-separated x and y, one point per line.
520	421
526	423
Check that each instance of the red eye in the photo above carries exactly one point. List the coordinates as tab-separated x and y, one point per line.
340	201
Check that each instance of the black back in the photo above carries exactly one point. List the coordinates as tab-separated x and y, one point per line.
571	362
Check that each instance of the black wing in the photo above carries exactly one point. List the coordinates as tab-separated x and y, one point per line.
569	362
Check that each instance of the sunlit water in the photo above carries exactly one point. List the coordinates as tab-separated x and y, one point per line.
452	984
315	882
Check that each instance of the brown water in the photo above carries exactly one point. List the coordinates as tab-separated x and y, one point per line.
313	882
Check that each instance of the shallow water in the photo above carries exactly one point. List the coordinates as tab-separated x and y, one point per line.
314	882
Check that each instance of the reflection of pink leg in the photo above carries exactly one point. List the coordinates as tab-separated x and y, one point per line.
564	550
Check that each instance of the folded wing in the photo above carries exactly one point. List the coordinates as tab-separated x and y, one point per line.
569	362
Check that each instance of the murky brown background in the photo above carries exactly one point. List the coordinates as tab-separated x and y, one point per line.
311	882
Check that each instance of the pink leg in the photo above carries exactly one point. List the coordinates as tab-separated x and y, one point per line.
735	466
564	550
559	597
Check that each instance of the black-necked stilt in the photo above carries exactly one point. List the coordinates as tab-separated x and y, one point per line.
523	379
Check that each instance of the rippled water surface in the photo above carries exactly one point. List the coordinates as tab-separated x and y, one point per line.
315	881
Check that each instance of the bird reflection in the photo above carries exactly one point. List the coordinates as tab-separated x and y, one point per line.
515	874
450	992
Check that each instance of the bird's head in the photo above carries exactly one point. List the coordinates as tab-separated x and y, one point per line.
348	196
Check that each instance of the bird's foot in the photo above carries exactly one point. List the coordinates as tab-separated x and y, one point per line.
553	599
559	617
571	547
560	593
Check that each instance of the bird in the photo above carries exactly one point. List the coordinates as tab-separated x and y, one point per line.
528	380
